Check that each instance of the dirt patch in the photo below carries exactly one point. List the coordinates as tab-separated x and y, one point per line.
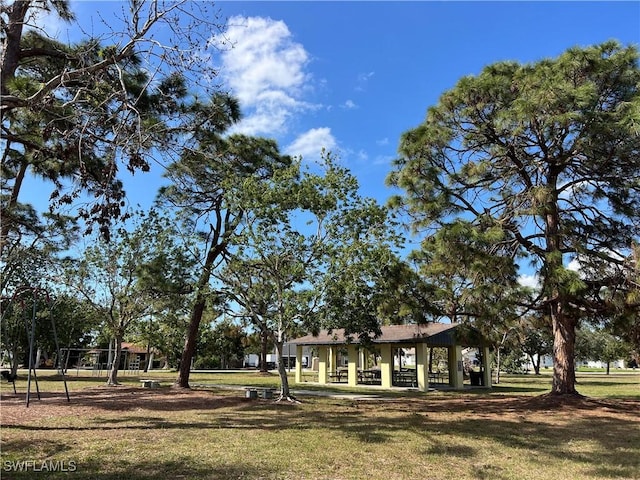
96	400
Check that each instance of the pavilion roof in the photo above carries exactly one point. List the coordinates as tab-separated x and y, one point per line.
434	334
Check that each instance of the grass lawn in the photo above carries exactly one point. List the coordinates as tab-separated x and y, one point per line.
128	432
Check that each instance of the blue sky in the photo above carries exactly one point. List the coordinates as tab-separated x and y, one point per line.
353	76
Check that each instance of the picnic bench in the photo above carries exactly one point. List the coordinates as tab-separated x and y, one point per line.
338	375
370	377
405	378
150	383
437	377
261	392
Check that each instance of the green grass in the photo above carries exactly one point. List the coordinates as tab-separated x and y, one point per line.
139	434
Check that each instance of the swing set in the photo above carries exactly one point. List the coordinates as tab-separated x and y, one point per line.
22	295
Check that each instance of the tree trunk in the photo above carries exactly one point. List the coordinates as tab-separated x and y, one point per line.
264	343
14	361
149	364
285	393
498	365
535	363
190	344
38	358
112	378
13	200
11	54
608	366
564	342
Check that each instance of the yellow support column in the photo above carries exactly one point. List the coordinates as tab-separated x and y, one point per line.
333	359
298	363
322	365
456	378
486	367
422	366
352	372
386	365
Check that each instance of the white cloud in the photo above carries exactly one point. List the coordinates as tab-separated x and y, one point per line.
574	265
309	145
363	80
382	142
363	156
384	160
531	281
266	70
349	105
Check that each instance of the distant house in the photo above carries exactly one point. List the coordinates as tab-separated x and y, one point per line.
134	357
546	361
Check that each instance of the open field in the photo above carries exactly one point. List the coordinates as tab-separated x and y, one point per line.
135	433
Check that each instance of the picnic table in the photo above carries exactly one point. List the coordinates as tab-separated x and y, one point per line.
147	383
369	376
437	377
339	374
405	378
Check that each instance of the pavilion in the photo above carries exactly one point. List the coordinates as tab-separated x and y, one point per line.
389	373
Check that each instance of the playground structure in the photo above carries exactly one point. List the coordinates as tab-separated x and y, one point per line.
99	360
20	295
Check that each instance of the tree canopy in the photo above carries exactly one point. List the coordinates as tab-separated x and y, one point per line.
211	194
317	255
76	113
537	157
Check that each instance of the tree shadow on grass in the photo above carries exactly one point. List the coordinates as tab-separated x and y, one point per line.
601	435
44	447
605	431
498	389
615	453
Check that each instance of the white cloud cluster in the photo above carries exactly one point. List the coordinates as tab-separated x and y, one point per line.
531	281
309	145
349	105
265	70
